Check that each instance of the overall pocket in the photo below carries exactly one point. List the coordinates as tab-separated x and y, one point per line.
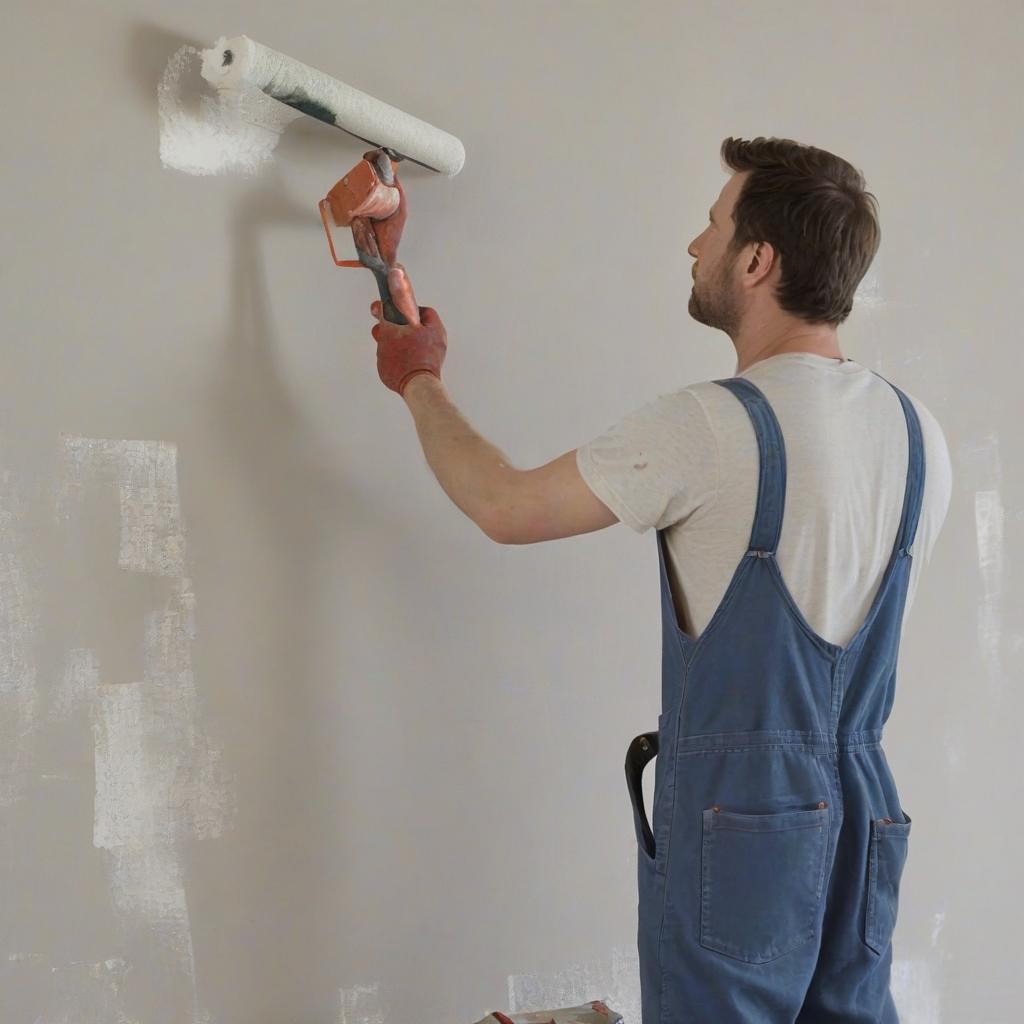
887	853
761	880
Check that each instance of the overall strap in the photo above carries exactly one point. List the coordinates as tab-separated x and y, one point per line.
914	490
771	479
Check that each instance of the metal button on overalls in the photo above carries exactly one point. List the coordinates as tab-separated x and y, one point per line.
770	869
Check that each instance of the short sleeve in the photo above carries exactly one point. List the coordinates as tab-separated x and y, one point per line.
656	467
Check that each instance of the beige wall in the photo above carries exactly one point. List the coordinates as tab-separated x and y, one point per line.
284	738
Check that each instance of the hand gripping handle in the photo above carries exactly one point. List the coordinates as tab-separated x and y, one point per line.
363	195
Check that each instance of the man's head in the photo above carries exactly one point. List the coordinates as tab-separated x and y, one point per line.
788	240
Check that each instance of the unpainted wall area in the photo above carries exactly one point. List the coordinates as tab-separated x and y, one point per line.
283	736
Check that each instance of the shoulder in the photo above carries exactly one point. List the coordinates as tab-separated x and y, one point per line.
719	406
938	472
669	416
932	434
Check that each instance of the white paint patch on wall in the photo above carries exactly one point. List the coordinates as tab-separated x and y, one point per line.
615	981
149	891
915	992
160	780
984	473
87	993
19	631
360	1004
152	534
989	517
230	131
79	684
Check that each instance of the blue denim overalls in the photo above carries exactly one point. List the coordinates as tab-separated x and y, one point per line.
768	885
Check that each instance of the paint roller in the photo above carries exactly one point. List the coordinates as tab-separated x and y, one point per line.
369	193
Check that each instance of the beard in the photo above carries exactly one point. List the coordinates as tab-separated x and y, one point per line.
713	301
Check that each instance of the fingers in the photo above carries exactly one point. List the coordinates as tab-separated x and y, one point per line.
371	157
428	315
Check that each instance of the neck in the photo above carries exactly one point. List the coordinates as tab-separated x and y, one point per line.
817	343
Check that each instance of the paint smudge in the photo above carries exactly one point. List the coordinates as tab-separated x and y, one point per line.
160	780
360	1005
79	685
19	634
916	991
615	981
984	475
87	993
989	517
81	992
232	130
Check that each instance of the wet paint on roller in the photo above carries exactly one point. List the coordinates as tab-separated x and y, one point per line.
297	99
241	64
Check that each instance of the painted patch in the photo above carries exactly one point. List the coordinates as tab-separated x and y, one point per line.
983	473
79	684
615	981
19	634
160	778
230	131
360	1004
88	993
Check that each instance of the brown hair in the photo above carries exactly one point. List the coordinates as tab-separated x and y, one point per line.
812	207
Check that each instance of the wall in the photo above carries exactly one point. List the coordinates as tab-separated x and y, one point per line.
283	736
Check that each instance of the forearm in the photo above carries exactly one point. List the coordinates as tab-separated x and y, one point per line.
472	471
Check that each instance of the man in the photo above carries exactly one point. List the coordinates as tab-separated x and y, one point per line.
789	502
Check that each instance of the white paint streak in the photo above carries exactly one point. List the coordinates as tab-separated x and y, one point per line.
984	473
160	780
149	887
157	779
916	991
19	627
988	523
360	1005
79	684
615	981
233	130
87	993
152	534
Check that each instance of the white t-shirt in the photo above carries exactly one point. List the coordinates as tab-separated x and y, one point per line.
687	462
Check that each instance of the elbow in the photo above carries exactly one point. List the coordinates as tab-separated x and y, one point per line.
494	529
496	535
